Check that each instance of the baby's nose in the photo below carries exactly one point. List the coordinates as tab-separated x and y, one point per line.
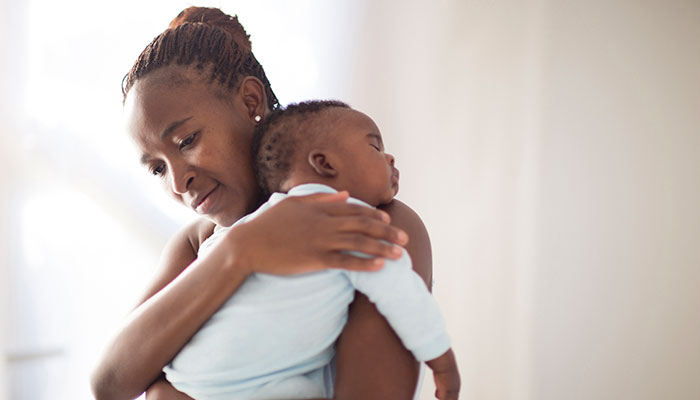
389	159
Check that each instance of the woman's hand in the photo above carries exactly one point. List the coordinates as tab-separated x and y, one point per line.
310	233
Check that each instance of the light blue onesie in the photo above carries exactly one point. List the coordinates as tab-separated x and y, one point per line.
274	337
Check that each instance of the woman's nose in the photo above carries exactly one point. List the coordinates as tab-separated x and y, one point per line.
180	180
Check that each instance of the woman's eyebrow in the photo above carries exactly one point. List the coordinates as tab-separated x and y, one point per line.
173	126
144	159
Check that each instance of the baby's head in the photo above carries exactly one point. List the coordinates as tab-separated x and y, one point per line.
324	142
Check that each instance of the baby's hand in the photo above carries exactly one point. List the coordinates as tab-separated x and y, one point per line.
446	376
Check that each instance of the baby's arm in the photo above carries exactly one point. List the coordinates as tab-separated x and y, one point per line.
446	376
421	256
401	296
371	361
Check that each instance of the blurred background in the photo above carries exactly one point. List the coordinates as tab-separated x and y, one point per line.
552	148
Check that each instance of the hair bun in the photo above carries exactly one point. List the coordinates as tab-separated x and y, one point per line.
216	18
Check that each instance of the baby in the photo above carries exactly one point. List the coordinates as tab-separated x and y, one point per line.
274	337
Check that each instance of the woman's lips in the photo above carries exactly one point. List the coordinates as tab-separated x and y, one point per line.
208	202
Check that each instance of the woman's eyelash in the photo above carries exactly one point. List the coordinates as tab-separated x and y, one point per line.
157	171
187	141
375	146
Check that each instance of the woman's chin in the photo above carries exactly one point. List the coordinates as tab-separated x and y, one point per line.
222	220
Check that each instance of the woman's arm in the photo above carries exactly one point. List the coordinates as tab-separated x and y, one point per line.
371	362
296	235
162	324
161	389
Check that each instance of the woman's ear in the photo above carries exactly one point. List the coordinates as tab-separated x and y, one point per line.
252	92
321	163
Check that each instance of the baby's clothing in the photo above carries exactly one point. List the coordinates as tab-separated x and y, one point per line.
274	337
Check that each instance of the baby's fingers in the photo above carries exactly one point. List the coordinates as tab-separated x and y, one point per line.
443	395
447	385
446	392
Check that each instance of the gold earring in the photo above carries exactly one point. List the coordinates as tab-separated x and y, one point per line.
257	118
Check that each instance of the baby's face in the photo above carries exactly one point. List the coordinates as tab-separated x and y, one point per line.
365	170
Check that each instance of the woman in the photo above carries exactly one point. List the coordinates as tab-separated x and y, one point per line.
192	101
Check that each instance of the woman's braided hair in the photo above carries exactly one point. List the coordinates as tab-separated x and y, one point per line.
208	39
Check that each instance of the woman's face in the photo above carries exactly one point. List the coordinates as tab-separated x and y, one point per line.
196	144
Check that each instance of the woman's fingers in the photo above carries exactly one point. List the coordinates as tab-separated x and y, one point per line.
304	234
351	262
365	246
371	228
347	209
325	197
339	216
334	204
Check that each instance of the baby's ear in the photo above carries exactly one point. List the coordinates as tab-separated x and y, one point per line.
322	164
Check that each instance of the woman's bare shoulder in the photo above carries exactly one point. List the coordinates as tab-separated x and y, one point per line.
418	247
178	254
187	240
198	231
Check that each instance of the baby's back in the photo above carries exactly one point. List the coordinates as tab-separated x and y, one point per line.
274	337
273	328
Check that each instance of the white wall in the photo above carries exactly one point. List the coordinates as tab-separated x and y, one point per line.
552	149
455	89
617	300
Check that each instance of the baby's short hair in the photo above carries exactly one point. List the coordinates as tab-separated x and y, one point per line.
277	139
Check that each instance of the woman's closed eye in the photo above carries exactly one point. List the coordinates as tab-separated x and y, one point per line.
375	146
